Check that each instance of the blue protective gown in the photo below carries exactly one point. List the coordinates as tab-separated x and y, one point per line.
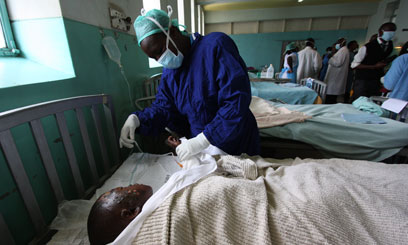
209	93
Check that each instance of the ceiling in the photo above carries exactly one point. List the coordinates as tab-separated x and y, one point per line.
224	5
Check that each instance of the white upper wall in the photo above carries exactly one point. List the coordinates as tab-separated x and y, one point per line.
93	12
28	9
310	11
401	21
96	12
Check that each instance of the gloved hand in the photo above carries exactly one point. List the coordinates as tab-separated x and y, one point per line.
127	134
192	146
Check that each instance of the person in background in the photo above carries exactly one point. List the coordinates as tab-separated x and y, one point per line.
114	210
352	47
370	61
204	84
309	60
325	63
396	79
290	64
336	76
373	37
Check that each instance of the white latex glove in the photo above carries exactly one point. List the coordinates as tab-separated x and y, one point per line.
192	146
127	134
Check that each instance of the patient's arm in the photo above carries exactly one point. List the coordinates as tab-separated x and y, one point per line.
114	210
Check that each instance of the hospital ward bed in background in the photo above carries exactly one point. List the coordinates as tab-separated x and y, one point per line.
269	89
328	135
78	152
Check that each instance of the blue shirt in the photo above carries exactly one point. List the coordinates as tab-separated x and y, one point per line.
209	93
396	78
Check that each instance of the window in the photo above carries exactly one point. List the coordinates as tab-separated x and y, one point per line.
193	29
7	44
180	10
149	5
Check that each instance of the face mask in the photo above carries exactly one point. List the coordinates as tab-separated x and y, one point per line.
387	35
168	59
338	46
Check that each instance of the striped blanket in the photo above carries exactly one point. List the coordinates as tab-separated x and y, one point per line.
297	201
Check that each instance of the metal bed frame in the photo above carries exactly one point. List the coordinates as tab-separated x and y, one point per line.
318	86
32	115
151	85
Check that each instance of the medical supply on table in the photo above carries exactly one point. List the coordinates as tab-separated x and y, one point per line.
114	54
270	71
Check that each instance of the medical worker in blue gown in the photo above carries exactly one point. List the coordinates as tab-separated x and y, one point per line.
204	88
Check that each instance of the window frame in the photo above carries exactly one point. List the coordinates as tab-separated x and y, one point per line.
11	48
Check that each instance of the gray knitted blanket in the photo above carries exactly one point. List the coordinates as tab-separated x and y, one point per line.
307	201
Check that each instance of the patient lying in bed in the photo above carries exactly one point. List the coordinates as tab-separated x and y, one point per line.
114	210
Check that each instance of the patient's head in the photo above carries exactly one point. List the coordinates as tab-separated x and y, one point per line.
114	210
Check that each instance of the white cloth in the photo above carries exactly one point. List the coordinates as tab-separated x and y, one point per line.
336	76
310	63
177	181
266	115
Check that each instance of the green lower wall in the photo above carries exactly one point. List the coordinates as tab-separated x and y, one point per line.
266	48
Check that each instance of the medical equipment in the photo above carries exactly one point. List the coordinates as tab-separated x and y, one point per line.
114	54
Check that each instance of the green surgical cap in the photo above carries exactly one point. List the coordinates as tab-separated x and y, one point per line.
145	27
290	46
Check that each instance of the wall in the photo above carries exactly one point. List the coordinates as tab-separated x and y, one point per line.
347	9
265	48
401	21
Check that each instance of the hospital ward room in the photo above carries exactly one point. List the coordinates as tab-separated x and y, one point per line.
203	122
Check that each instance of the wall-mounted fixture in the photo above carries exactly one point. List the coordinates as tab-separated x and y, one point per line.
119	20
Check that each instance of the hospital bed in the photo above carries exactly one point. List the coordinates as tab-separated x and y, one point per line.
52	151
328	135
80	133
319	86
150	89
269	89
289	93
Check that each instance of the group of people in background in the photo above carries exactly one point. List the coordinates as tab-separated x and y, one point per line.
345	67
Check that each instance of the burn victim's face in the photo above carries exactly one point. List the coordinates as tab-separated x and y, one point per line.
114	210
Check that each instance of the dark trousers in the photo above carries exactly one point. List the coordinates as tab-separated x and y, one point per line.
366	88
331	99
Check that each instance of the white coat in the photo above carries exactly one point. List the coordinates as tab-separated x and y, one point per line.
336	76
310	62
